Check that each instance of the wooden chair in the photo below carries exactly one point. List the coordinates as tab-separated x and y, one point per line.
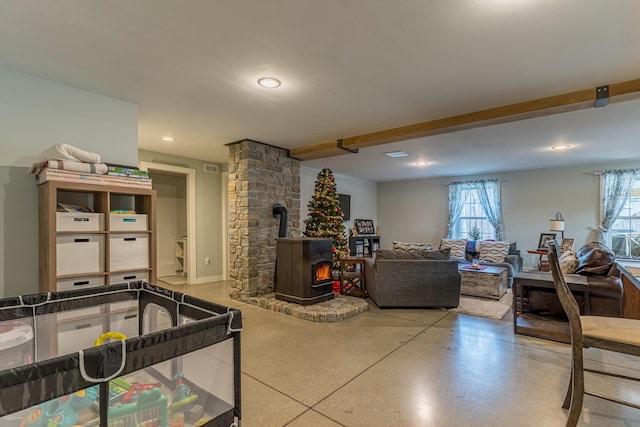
607	333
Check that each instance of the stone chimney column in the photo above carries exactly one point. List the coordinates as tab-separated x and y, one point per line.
259	176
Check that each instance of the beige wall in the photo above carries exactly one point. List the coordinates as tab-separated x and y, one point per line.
416	210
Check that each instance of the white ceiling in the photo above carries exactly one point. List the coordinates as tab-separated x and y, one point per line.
348	68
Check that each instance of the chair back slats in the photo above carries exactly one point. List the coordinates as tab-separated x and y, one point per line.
565	296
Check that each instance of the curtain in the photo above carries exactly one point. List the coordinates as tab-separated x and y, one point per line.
616	185
489	195
455	205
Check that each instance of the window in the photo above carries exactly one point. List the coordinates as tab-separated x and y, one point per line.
475	204
472	215
625	229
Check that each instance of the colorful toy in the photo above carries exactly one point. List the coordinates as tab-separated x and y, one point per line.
182	395
136	388
149	410
61	412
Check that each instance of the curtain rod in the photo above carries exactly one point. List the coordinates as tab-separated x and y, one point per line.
464	182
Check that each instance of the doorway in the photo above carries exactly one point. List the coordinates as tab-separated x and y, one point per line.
176	222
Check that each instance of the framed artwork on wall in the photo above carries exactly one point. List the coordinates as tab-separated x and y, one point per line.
567	245
544	238
364	226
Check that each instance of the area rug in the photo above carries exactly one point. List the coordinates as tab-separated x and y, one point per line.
482	307
174	280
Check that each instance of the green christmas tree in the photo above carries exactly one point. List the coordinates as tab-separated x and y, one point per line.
325	216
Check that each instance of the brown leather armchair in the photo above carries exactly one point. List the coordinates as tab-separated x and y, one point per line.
597	262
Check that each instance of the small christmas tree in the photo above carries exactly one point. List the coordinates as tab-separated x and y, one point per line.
325	216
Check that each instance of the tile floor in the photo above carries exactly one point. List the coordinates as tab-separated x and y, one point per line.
408	367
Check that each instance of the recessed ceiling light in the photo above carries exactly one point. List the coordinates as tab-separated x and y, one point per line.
395	154
269	82
561	147
167	139
422	163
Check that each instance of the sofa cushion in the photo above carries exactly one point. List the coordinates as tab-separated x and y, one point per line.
595	258
494	251
457	247
411	246
442	254
568	262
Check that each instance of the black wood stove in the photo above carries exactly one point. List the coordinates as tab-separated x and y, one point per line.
303	270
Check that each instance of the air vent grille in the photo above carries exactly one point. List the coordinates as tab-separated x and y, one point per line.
210	168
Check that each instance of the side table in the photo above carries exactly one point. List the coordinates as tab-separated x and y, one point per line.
352	282
543	264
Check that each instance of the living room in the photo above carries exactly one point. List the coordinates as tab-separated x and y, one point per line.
39	111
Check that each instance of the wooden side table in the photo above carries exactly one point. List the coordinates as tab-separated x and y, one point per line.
543	263
352	281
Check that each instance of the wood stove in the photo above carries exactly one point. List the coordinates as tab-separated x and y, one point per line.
303	270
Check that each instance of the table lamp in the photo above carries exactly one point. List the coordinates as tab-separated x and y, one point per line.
557	223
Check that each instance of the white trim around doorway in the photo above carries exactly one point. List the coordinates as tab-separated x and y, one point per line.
190	175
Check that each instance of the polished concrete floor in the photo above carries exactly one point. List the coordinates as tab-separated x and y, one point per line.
409	367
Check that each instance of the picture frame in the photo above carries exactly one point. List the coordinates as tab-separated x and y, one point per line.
567	245
364	226
544	238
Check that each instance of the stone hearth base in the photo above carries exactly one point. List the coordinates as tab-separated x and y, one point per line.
336	310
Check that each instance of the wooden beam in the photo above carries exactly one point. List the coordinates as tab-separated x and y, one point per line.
572	101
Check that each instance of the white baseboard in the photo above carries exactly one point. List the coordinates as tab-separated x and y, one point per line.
200	280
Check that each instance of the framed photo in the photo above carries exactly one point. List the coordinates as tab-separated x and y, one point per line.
364	226
567	245
544	238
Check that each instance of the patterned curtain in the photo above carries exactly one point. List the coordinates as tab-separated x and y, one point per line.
489	195
616	185
455	205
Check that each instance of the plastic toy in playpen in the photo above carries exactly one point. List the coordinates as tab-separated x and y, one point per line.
182	394
61	412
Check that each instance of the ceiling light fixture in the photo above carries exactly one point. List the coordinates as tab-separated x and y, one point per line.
561	147
394	154
422	163
168	139
269	82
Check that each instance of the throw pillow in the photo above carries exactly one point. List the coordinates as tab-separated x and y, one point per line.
411	246
494	251
568	262
456	246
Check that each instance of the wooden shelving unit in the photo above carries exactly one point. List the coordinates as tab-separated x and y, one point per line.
123	254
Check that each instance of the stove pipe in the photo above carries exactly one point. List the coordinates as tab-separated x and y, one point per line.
281	211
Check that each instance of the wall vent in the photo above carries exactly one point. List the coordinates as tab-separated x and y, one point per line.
210	168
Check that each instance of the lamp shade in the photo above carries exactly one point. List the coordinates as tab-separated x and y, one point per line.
556	225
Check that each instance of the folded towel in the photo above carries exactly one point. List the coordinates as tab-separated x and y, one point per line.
69	165
68	152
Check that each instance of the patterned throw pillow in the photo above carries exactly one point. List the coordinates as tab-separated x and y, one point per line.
411	246
494	251
456	246
568	262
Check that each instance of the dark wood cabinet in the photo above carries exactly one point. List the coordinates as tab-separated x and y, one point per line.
364	246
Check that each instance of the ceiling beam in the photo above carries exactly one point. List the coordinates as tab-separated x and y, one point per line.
572	101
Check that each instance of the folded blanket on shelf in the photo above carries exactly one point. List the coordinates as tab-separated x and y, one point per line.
75	166
69	152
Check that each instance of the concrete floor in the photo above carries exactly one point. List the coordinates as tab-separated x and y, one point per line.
408	367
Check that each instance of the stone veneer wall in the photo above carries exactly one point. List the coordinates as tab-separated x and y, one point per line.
259	176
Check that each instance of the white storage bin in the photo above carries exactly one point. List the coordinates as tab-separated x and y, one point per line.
128	222
79	334
128	277
79	283
79	254
128	251
126	323
79	221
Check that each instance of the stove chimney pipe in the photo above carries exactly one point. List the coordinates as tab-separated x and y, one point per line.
281	212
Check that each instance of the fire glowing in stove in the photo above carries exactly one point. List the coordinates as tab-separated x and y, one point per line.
323	272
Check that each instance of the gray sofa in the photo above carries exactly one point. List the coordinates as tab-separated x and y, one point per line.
413	282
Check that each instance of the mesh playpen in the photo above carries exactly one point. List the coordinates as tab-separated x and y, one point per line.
132	354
